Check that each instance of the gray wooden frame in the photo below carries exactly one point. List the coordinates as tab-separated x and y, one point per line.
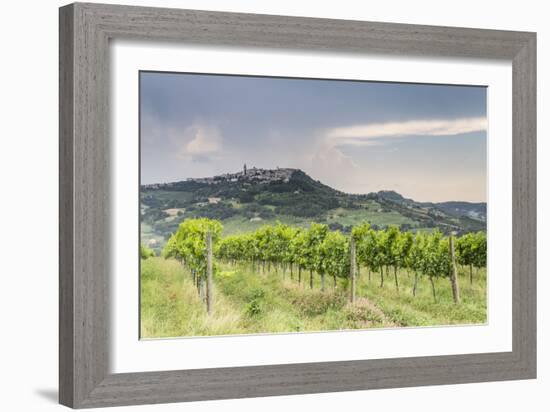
85	31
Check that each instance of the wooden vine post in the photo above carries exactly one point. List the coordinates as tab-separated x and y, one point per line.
352	270
454	280
209	289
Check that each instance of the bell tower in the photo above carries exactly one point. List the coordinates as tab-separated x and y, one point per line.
244	170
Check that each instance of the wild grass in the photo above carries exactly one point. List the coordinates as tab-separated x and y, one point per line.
171	306
246	302
407	310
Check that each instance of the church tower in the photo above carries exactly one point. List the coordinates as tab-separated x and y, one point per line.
244	169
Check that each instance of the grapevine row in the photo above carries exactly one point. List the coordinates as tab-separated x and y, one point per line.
319	251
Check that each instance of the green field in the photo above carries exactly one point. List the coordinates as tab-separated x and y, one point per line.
246	302
372	214
239	225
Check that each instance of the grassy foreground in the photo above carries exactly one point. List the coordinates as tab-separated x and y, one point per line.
246	302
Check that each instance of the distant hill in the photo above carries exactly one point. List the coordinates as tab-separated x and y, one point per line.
477	211
474	210
248	199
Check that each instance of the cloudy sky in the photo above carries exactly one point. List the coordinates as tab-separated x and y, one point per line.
427	142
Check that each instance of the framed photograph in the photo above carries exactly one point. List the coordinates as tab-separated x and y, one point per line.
256	205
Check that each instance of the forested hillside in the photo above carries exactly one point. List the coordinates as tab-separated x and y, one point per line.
245	201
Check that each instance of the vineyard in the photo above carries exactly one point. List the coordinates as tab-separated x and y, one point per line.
281	278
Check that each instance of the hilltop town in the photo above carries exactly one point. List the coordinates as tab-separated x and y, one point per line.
252	175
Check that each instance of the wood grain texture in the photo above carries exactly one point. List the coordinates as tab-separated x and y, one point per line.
85	31
66	229
524	205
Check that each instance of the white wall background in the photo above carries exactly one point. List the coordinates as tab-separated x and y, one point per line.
28	204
